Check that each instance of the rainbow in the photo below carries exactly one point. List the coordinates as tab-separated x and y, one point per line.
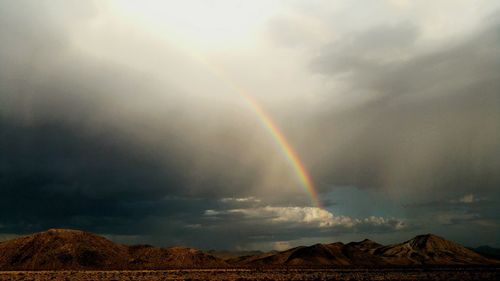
269	124
285	147
278	137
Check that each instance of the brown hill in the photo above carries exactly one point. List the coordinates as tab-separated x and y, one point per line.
430	250
175	257
422	250
335	254
225	254
61	249
249	259
366	245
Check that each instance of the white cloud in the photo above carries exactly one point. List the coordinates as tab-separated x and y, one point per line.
466	199
249	199
309	216
281	245
306	215
211	213
381	221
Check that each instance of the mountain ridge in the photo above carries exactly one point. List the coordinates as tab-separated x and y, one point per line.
487	251
65	249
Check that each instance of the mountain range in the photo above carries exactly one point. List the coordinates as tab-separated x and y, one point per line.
62	249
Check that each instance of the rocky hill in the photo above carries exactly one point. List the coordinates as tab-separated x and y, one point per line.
61	249
225	254
366	245
58	249
430	250
175	257
422	250
335	254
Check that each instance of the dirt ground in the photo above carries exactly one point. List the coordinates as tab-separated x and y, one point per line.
243	275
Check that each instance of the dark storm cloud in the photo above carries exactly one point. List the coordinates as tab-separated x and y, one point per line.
88	143
54	172
424	119
468	209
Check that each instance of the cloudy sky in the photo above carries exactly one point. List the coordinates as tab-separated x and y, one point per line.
131	119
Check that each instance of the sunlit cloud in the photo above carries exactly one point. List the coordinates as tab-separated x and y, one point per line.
249	199
466	199
308	216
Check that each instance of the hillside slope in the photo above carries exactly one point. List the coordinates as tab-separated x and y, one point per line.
430	250
335	254
174	257
62	249
366	245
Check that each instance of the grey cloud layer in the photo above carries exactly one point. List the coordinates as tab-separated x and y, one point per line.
422	121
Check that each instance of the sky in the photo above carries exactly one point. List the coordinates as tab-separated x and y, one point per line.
246	125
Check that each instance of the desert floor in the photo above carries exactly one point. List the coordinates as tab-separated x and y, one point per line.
241	275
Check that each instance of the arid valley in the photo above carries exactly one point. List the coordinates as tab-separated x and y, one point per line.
260	275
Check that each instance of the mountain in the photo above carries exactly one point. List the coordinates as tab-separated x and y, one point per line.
422	250
366	245
225	255
145	256
335	254
62	249
488	252
430	250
